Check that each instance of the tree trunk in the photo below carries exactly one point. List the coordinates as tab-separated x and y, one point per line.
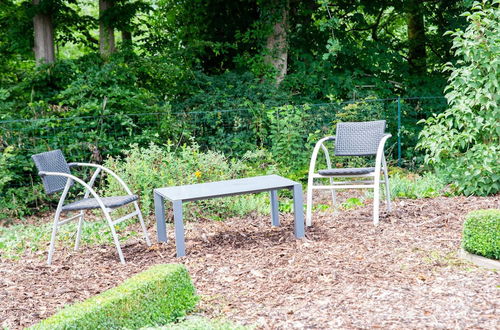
106	32
44	37
277	46
417	56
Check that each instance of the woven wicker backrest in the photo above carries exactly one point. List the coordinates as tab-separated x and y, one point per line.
52	161
359	138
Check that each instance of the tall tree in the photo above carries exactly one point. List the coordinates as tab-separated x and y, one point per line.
44	33
106	30
417	56
277	44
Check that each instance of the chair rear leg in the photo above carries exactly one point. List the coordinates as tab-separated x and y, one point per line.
376	202
387	189
79	230
334	193
141	220
309	203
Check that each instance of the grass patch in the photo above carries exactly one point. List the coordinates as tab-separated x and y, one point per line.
17	239
481	234
157	296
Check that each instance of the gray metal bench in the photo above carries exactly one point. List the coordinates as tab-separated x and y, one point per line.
179	194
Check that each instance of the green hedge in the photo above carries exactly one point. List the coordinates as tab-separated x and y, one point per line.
481	234
161	294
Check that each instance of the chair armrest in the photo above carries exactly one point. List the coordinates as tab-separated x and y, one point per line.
380	153
320	144
105	169
75	179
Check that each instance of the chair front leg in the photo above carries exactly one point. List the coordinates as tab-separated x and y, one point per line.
53	236
310	180
379	159
113	233
376	199
56	220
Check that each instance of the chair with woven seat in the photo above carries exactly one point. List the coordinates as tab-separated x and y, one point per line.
352	139
56	177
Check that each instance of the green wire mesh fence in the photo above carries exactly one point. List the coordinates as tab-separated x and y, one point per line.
232	131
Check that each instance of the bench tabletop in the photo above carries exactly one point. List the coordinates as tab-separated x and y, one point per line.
225	188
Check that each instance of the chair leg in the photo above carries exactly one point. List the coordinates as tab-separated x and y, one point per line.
334	193
387	190
141	220
309	203
376	202
79	230
53	237
115	237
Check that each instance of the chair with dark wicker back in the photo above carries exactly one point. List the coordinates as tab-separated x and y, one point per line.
56	177
352	139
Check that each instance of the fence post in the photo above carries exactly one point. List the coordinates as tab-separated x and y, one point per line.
399	131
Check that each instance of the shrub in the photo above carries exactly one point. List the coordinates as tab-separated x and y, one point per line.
465	139
414	186
289	128
161	294
145	169
481	233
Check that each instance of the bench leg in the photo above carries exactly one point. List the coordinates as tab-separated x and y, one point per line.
275	220
298	210
161	226
179	229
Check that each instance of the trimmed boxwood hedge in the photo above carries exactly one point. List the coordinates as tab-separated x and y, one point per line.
158	295
481	234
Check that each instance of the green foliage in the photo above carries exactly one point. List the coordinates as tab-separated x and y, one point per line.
228	112
465	139
89	109
158	295
145	169
414	186
481	233
351	203
289	132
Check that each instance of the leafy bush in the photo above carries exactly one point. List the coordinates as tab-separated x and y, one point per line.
88	108
481	233
415	186
158	295
228	112
289	133
409	185
465	139
145	169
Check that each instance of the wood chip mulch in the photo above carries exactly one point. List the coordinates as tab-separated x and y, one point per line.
345	274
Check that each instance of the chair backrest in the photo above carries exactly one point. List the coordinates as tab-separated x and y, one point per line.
52	161
359	138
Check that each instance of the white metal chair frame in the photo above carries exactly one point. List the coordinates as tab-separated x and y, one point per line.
80	216
380	165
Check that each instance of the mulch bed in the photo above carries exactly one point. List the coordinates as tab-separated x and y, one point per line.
345	274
